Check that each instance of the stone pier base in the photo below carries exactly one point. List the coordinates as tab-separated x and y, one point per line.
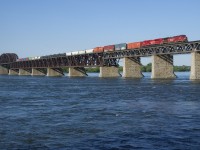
23	72
195	66
13	72
36	72
54	72
109	72
3	71
132	68
77	72
162	67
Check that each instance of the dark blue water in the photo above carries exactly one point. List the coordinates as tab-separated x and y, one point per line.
94	113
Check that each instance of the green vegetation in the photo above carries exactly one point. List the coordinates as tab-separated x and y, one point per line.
89	70
181	68
146	68
93	69
65	69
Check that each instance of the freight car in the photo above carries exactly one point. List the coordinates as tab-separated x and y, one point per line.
167	40
134	45
87	51
116	47
28	58
53	56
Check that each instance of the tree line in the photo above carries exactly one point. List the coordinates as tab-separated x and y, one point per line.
144	68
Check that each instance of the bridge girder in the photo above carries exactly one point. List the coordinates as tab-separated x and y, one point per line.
100	59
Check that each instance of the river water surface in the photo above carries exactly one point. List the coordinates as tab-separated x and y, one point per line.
99	113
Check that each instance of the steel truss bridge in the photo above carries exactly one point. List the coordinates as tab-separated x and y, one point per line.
99	59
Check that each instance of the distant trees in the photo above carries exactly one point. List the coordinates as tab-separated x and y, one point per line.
146	68
181	68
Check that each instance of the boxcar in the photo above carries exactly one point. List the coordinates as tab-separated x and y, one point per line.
179	38
134	45
109	48
98	50
121	46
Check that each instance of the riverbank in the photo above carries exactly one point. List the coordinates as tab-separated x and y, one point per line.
146	68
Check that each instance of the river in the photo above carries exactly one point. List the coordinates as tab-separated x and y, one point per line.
99	113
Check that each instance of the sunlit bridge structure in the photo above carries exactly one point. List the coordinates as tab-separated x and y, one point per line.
108	61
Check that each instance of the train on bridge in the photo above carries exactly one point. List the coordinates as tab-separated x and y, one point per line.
107	59
116	47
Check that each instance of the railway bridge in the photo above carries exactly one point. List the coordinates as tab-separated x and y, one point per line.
162	62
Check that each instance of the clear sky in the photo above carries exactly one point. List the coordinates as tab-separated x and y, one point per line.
41	27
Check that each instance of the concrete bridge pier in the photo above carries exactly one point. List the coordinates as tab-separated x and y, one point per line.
37	72
3	71
162	67
132	68
77	72
24	72
54	72
112	71
195	66
13	72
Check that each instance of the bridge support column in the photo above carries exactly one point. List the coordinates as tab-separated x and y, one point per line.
36	72
195	66
112	71
3	70
23	72
77	72
162	67
132	68
54	72
13	72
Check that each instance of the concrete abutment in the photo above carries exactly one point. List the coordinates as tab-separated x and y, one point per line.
162	67
132	68
112	71
13	72
77	72
36	72
3	71
195	66
54	72
23	72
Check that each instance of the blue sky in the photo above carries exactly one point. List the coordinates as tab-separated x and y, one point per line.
40	27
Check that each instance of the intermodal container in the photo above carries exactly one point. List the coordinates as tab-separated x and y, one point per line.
146	43
75	53
88	51
81	52
134	45
165	40
121	46
98	50
158	41
109	48
180	38
68	53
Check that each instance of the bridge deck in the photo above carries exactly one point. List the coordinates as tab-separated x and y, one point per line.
106	58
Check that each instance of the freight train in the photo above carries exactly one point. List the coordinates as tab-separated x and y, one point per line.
117	47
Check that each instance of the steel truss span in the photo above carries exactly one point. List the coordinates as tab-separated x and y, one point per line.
87	60
177	48
102	59
7	58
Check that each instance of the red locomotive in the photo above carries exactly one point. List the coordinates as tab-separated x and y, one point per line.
135	45
174	39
